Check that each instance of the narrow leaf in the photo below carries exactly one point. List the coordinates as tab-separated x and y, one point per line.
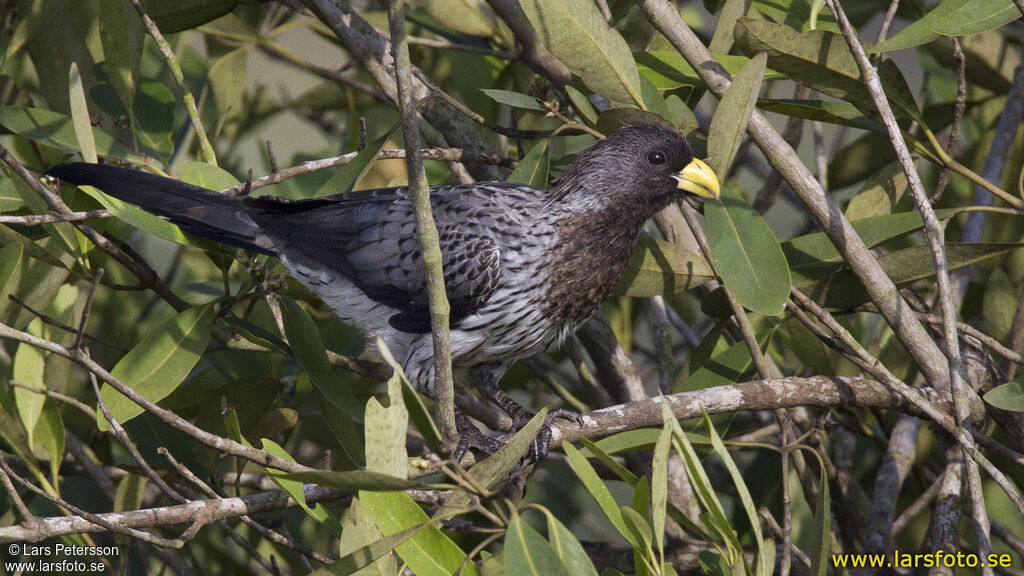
514	99
823	61
304	338
747	254
568	548
160	362
597	489
348	176
659	268
527	553
732	114
577	33
533	168
744	493
1009	396
822	535
80	115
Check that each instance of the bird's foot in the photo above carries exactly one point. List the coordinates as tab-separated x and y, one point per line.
541	444
471	438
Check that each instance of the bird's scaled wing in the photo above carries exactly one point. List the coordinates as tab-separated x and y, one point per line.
370	238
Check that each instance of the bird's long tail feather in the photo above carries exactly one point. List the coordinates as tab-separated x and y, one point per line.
195	210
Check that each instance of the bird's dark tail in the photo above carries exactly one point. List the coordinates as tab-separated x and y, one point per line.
195	210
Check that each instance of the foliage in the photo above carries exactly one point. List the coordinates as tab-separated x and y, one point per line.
256	391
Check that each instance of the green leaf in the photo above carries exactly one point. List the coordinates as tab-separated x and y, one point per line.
582	104
227	81
154	117
160	362
365	556
732	114
296	490
533	168
715	518
10	268
822	534
568	548
599	491
668	70
830	111
186	14
920	31
797	14
732	365
430	552
348	176
58	131
612	119
1009	396
309	350
639	528
28	369
823	61
659	485
50	433
747	254
592	450
386	422
514	99
879	195
976	16
358	530
657	268
80	117
205	175
527	553
813	256
999	305
471	17
765	549
354	480
249	396
577	33
16	245
255	334
122	35
129	493
722	40
843	290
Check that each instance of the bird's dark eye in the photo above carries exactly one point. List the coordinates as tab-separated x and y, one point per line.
657	157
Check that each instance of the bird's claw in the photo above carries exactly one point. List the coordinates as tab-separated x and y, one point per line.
471	438
541	444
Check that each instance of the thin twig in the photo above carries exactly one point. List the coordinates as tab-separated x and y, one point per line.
37	219
953	145
426	228
179	78
97	520
127	442
933	231
87	309
439	154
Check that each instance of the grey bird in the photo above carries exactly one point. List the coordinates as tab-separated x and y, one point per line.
523	267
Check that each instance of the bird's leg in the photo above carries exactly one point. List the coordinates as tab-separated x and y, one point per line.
485	378
471	438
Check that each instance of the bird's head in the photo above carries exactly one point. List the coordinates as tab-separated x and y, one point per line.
643	165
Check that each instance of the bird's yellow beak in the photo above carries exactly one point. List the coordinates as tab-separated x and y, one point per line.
698	179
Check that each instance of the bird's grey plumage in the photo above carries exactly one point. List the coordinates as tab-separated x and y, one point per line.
523	267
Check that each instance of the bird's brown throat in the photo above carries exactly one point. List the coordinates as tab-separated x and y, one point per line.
591	255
